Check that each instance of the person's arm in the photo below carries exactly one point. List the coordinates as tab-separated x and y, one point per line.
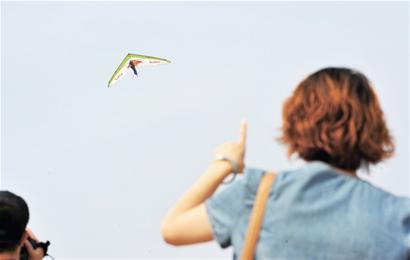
187	221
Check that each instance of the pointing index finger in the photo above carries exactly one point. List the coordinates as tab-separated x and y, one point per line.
243	132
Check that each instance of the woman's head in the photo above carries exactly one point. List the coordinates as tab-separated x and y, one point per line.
334	116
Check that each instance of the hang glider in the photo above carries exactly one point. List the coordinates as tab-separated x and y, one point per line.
131	62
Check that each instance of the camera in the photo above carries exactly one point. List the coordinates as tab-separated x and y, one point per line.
24	255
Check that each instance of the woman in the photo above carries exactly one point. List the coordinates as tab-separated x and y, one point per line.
322	210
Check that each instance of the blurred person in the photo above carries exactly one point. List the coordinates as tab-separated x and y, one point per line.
14	216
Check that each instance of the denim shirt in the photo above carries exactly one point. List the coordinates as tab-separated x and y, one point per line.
313	212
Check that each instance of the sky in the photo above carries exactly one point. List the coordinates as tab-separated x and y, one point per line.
100	167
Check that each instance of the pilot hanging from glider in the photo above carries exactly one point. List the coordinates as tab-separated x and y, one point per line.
132	65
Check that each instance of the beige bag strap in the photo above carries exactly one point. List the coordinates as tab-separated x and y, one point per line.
256	218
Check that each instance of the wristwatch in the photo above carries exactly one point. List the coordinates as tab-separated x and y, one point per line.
235	165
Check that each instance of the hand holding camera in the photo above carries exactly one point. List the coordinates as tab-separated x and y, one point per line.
33	249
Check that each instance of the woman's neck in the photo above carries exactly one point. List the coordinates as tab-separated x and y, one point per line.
346	172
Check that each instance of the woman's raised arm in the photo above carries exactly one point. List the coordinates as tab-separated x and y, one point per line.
187	221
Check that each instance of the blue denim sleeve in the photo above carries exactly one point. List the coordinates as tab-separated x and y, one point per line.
406	224
223	208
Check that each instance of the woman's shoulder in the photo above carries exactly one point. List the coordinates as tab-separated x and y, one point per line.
314	177
253	175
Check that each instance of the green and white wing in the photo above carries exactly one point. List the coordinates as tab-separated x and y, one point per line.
146	60
119	73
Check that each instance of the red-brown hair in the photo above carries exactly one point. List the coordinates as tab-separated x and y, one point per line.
334	116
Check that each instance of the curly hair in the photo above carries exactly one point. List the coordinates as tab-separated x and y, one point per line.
334	116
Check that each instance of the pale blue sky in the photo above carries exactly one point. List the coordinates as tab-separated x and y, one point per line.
100	167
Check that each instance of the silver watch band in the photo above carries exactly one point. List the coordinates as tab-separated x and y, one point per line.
235	165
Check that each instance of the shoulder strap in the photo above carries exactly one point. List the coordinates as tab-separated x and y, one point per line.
256	218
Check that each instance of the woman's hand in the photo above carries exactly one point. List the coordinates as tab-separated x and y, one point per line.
234	150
